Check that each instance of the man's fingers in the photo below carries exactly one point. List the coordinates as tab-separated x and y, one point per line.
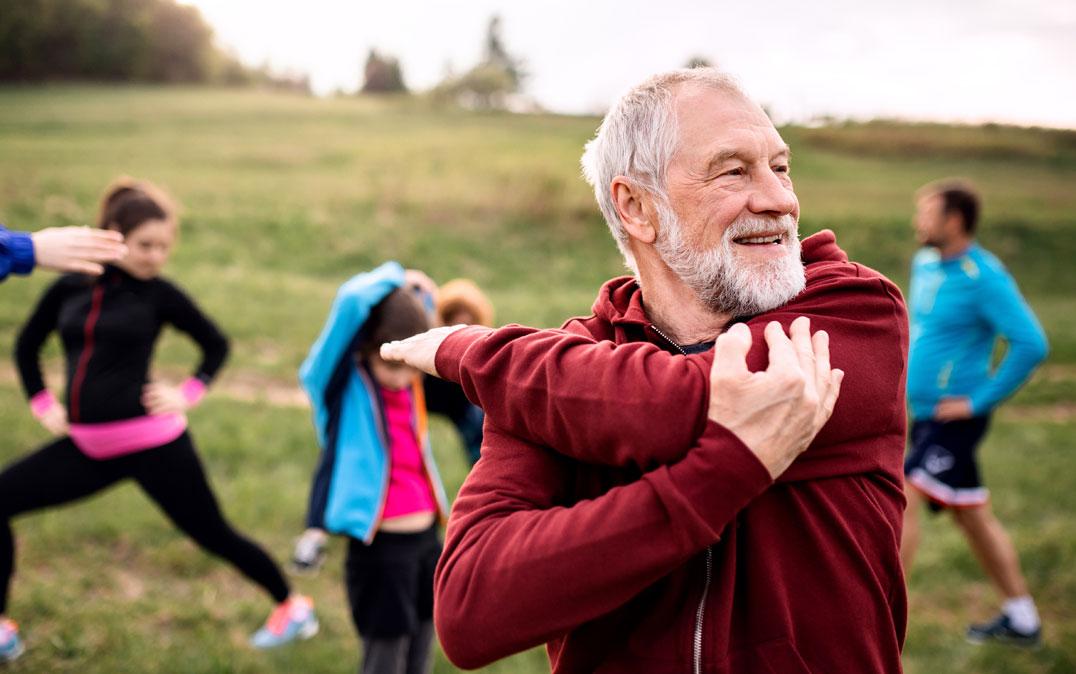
800	334
394	351
830	401
820	348
730	353
782	354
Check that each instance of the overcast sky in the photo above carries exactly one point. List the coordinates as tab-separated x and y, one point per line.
1008	61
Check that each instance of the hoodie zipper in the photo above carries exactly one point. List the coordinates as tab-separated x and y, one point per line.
700	612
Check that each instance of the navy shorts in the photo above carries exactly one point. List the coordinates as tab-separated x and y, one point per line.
941	462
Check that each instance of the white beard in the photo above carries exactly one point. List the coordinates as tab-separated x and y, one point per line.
725	284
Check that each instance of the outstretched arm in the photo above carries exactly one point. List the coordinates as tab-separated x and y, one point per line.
635	404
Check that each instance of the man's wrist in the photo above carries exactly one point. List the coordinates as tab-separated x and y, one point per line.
451	352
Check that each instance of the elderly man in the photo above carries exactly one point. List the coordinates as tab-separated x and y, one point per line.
637	506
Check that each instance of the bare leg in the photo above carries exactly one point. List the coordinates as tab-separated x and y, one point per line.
994	549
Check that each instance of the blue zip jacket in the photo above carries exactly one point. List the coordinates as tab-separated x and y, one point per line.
350	485
959	307
16	253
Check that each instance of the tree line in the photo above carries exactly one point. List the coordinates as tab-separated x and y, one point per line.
116	40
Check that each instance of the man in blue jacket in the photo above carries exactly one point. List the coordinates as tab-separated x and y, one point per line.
962	300
74	249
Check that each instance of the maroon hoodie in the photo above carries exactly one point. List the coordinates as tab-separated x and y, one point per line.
610	519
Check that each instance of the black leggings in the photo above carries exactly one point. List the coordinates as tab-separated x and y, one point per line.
171	475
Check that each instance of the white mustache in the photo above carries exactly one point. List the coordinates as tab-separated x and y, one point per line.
754	225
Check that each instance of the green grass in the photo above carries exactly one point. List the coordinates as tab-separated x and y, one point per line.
285	196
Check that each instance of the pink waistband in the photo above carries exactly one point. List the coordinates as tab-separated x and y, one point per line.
117	438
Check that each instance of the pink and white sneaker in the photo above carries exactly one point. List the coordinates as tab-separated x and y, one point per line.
291	620
11	646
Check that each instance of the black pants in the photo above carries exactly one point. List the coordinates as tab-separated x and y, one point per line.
171	475
390	589
409	654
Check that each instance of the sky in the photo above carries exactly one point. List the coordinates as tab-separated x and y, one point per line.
1006	61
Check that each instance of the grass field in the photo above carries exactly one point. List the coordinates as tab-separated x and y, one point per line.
284	197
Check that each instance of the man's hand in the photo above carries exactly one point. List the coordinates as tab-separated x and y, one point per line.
160	398
77	249
776	413
953	409
419	351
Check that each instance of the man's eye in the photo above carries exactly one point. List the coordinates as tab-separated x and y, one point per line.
735	172
781	168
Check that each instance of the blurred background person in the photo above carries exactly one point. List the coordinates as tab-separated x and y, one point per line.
71	249
962	301
116	424
376	480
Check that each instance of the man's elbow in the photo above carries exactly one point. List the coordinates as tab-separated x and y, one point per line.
460	640
466	619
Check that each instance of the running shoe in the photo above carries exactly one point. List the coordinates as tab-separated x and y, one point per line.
11	645
1000	629
291	620
309	554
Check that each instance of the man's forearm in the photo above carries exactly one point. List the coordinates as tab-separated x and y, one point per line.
568	565
628	404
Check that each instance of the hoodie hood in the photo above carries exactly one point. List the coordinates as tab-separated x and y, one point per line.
620	300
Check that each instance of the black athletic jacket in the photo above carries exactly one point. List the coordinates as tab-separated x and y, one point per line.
108	326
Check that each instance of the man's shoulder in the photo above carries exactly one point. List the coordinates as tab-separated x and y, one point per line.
847	275
591	326
988	265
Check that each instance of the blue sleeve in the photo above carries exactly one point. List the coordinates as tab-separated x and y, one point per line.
1009	315
349	311
16	253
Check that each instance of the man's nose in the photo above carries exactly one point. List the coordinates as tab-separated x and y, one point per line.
772	196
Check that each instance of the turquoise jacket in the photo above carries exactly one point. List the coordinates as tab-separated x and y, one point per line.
350	485
959	308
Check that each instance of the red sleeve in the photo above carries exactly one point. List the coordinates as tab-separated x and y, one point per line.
519	568
592	400
635	404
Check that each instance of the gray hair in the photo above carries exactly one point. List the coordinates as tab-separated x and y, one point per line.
637	139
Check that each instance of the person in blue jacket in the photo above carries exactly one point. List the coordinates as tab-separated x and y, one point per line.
70	249
376	481
962	301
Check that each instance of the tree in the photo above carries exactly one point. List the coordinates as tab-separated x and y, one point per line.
698	62
382	74
488	84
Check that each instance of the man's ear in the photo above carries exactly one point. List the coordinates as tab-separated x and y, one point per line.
954	224
632	204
